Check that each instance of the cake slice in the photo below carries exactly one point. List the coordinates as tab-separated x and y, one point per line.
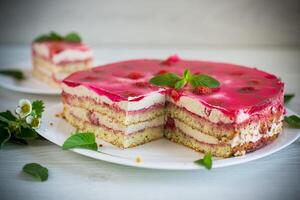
55	57
118	103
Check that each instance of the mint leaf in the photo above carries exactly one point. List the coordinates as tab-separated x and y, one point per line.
14	73
55	36
288	98
180	84
81	140
38	107
168	79
36	170
187	74
206	161
4	135
72	37
293	121
204	80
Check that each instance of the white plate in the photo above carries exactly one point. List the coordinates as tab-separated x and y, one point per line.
30	85
159	154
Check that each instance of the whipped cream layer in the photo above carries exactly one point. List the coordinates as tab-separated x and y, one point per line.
62	52
244	93
147	101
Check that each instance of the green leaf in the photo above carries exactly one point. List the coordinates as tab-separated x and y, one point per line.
206	161
293	121
4	135
26	133
38	107
180	84
72	37
36	170
81	140
204	80
41	38
14	73
55	36
168	79
288	98
187	74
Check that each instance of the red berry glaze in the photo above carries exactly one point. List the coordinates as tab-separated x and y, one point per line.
202	90
134	75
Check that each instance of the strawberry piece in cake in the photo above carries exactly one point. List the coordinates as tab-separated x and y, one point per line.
118	104
54	58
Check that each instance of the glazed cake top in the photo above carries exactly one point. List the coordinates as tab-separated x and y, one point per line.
240	87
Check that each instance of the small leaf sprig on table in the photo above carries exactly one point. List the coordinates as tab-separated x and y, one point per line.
14	73
21	126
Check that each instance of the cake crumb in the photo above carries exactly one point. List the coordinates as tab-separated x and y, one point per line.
138	159
240	153
100	145
51	124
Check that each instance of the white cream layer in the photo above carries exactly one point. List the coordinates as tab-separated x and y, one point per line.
194	133
107	122
251	134
68	55
146	102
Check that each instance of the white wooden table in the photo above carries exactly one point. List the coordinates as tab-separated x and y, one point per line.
72	176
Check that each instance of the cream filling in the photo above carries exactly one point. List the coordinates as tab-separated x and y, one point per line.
149	100
72	55
41	50
251	134
82	114
194	133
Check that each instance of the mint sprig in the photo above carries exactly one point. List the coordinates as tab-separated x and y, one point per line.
36	170
14	73
53	36
177	82
293	121
288	98
21	126
206	161
86	140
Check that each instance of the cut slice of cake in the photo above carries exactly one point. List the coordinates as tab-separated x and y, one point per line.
55	57
117	103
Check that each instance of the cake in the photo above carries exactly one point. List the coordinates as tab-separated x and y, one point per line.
54	58
118	103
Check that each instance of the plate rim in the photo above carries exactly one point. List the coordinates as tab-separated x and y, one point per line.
166	165
26	90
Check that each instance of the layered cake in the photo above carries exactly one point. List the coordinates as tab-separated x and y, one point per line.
119	104
54	58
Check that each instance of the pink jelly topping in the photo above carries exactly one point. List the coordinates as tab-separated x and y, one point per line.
241	87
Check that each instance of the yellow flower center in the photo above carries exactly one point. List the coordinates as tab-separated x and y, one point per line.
35	122
25	108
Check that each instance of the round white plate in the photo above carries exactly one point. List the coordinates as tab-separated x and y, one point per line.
159	154
29	85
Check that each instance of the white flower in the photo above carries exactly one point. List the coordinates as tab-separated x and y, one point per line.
34	122
29	119
24	108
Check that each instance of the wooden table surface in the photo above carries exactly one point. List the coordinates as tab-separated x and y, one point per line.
73	176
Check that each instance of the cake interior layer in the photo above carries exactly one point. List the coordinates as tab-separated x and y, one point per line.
219	150
101	120
115	137
221	131
117	115
63	68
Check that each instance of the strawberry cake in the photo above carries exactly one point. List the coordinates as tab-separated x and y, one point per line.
55	59
119	104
